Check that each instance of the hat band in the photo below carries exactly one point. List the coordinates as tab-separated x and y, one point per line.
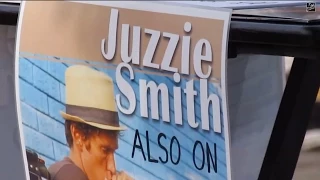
94	115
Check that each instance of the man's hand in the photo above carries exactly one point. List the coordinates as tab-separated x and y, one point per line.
122	176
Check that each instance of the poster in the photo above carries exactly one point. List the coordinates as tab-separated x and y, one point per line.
123	90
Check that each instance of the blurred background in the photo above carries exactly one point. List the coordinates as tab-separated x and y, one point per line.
308	167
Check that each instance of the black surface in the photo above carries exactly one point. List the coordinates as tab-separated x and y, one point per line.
292	121
293	13
9	13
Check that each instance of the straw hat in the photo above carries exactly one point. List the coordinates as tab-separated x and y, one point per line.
90	98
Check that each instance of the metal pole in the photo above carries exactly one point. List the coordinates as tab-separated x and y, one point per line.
291	122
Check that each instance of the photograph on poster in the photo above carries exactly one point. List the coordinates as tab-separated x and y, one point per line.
150	141
137	100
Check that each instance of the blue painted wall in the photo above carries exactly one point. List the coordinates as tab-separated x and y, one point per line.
42	97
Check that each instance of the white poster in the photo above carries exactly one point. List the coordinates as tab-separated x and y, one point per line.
123	90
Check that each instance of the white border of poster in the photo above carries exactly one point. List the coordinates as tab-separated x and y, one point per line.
222	14
17	89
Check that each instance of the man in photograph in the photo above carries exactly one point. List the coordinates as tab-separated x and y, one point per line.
91	126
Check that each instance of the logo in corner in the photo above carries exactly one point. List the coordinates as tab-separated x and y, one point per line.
311	7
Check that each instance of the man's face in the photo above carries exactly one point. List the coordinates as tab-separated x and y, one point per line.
98	156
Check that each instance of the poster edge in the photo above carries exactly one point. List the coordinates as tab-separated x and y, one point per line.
165	8
17	88
224	93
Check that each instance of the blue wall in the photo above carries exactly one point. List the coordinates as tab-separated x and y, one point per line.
42	98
